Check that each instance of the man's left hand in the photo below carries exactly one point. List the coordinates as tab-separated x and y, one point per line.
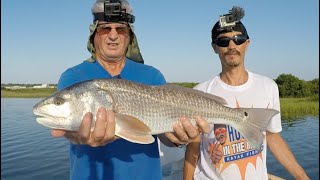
185	132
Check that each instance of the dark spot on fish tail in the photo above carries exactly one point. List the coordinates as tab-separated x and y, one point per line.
58	101
245	114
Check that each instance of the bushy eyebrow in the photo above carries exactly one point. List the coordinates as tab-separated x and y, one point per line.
106	25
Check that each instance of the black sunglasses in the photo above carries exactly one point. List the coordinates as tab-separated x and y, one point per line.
237	39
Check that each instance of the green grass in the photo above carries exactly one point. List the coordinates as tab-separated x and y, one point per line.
292	108
27	92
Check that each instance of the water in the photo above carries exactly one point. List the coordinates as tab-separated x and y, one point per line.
27	149
29	152
302	136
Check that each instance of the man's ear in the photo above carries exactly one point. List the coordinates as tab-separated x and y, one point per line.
247	44
214	47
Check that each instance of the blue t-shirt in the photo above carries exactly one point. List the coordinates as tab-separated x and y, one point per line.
120	159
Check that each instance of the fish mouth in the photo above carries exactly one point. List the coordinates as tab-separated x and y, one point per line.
46	121
49	121
54	123
49	117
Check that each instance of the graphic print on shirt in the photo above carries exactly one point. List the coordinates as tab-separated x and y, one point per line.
233	147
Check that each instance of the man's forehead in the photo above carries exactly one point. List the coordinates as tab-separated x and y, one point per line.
229	34
112	23
216	126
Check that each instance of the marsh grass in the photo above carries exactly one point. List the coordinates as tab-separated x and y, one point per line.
27	92
292	108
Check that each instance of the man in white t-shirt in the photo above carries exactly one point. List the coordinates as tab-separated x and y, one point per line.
224	153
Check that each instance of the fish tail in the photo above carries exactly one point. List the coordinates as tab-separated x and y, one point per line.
255	125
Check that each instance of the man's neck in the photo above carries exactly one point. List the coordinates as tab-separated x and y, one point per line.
113	67
234	77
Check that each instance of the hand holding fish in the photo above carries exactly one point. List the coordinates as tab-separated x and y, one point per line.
103	133
185	132
215	154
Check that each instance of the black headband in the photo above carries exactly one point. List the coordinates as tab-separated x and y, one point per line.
122	17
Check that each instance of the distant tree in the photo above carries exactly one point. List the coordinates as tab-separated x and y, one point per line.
314	86
291	86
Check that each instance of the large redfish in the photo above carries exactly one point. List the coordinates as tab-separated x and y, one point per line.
142	111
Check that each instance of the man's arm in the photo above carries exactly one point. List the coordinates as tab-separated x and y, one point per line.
283	154
191	159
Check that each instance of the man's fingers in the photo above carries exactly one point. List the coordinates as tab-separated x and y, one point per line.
185	132
100	125
182	135
215	158
57	133
173	138
216	145
104	131
218	154
109	135
85	128
203	124
191	131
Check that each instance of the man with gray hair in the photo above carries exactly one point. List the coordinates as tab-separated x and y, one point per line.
115	53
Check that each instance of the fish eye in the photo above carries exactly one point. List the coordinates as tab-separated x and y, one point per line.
245	114
58	101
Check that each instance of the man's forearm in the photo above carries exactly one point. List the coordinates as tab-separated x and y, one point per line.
191	159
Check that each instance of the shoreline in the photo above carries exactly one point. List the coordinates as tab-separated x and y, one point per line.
290	107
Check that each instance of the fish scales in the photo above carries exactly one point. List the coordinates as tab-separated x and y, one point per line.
160	107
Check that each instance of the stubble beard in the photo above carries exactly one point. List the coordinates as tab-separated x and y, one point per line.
233	63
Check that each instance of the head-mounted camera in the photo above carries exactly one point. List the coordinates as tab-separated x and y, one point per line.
228	21
113	12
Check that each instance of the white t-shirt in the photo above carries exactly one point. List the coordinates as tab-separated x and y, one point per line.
238	163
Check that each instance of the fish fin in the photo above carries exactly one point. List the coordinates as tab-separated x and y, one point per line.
254	127
195	91
132	129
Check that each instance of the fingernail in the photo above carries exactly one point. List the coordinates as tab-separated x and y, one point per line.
88	115
183	118
176	124
101	112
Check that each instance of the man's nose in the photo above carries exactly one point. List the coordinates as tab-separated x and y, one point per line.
232	45
113	34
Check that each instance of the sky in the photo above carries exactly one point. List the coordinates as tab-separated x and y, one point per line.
40	38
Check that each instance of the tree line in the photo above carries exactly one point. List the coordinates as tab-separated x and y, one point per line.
291	86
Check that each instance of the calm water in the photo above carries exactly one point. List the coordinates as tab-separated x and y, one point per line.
29	152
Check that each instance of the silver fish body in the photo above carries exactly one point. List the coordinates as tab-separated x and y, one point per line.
142	110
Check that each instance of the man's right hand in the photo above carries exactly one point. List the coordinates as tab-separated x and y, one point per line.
103	133
215	154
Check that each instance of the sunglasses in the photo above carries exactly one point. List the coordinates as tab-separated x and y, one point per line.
103	29
237	39
220	130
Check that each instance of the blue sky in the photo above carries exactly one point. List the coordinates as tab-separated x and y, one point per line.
41	38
